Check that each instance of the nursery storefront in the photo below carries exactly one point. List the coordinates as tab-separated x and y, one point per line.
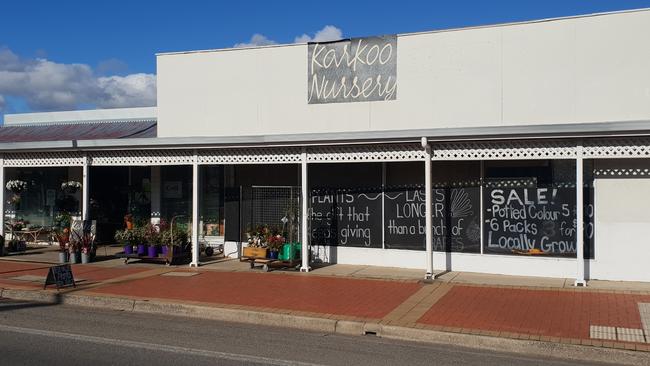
465	150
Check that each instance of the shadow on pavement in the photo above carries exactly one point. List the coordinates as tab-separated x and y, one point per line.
9	305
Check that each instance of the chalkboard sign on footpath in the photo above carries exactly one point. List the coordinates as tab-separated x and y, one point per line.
61	276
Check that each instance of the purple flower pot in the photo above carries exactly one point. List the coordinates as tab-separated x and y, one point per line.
142	249
128	249
273	254
165	250
151	251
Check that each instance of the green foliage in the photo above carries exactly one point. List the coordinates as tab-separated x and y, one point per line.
125	237
62	220
180	237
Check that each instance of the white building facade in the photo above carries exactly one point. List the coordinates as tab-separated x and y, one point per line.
518	149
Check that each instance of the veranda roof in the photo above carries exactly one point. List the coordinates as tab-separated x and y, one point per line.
78	131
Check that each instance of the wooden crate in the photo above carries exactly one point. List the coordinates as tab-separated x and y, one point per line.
251	252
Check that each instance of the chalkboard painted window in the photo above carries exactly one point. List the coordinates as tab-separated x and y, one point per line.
530	208
455	207
346	204
404	197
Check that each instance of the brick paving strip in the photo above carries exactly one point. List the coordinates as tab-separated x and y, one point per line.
389	308
593	318
408	312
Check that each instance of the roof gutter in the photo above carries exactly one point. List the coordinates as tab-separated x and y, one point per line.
493	133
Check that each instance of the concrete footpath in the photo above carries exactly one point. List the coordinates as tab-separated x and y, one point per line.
608	322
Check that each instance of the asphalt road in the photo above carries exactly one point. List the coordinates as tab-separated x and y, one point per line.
35	334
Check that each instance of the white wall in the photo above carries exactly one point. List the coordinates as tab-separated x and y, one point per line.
415	259
622	225
586	69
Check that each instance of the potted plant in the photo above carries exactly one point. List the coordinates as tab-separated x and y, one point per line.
175	239
138	236
126	238
86	244
63	238
256	238
275	243
73	250
152	237
62	220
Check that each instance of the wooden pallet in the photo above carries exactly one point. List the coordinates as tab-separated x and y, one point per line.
267	263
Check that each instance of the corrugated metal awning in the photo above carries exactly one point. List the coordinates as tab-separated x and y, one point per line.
78	131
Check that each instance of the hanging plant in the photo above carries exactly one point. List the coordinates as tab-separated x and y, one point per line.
16	186
70	187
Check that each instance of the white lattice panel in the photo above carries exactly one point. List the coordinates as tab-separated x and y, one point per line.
508	150
142	157
43	159
250	156
365	153
618	148
622	172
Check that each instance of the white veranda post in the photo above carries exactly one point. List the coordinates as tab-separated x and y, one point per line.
427	210
304	229
195	212
85	190
580	258
2	196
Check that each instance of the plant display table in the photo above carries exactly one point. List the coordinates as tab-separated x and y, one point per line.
257	257
168	258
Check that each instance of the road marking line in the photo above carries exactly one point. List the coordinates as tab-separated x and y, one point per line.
156	347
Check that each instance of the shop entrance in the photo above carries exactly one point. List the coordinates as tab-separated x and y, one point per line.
115	192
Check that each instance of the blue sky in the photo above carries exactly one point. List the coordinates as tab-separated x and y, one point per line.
85	54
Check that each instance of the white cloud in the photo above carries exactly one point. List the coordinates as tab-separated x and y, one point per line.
134	89
47	85
328	33
256	40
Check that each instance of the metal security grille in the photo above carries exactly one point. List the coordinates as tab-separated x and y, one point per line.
274	206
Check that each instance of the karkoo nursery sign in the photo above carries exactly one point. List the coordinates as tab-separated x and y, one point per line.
352	70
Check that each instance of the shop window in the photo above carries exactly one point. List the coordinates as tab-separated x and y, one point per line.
346	204
176	193
211	199
530	208
383	205
455	206
265	195
43	197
